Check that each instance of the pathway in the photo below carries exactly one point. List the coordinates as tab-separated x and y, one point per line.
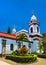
4	63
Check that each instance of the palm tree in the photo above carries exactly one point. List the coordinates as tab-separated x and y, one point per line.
20	38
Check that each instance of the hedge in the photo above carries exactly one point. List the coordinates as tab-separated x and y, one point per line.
41	55
22	59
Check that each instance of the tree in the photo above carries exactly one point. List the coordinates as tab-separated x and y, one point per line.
40	45
8	31
20	38
44	42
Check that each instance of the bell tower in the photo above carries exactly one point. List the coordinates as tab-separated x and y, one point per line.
34	33
34	25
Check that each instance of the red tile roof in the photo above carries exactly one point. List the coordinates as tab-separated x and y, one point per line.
6	35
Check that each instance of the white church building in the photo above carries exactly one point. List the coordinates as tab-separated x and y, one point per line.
8	41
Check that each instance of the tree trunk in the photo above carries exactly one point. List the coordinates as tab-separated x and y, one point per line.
22	44
44	51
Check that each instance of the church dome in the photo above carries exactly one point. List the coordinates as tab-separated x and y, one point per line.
33	17
13	31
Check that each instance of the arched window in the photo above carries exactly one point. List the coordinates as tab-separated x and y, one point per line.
37	29
31	29
11	47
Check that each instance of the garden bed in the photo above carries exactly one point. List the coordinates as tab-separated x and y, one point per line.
41	55
22	59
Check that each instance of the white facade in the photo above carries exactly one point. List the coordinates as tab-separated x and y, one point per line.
8	43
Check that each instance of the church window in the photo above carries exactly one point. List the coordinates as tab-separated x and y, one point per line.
11	47
31	29
37	29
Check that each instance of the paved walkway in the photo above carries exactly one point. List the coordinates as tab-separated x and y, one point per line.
40	61
4	63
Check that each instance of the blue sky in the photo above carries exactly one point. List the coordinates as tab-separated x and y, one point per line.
19	12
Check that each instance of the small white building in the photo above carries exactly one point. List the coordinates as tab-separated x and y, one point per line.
8	41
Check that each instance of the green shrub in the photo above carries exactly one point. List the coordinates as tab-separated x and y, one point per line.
41	55
14	53
22	59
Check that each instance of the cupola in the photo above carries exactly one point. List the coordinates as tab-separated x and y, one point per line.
33	17
14	30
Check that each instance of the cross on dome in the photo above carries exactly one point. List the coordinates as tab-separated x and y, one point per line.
33	16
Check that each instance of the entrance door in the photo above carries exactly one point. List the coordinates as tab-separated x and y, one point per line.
3	47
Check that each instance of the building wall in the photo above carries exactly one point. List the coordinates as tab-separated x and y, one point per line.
0	45
35	45
8	43
26	43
